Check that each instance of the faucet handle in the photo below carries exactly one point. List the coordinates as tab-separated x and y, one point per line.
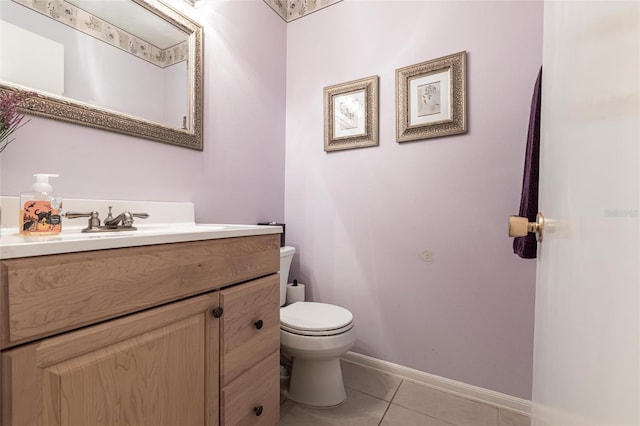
127	218
124	219
75	215
94	219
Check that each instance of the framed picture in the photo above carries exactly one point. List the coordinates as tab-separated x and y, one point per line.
351	114
431	98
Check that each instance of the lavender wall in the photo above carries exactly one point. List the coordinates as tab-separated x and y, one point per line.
360	218
238	178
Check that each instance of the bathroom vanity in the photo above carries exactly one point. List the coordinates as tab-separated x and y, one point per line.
184	331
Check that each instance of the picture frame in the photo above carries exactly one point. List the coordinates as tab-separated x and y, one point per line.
351	114
431	98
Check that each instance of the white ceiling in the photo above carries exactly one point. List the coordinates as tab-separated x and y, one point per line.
134	19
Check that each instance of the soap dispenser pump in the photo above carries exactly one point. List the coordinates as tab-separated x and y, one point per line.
40	209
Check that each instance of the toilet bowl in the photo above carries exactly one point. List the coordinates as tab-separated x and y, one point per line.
313	336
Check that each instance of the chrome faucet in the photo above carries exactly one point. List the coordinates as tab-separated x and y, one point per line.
122	222
126	218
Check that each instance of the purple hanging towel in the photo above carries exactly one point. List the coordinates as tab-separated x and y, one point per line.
527	247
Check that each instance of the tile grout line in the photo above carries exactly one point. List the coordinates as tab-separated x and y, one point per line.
390	402
367	393
426	415
397	389
402	380
385	413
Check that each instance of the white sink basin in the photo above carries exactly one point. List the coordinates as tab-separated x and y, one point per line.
171	228
178	227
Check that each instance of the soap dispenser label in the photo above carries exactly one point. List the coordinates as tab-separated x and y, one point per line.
40	217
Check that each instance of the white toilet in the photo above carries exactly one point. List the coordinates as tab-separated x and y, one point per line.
314	336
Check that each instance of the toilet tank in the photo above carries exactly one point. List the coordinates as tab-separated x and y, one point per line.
286	256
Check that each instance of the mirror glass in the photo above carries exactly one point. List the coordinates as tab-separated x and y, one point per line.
132	66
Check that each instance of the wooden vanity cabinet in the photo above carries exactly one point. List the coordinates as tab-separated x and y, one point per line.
205	359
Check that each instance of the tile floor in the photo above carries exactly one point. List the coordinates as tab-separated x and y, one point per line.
377	398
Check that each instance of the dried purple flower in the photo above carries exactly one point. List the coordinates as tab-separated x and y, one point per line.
10	115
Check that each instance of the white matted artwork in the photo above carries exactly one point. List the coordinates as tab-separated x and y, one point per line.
349	111
431	98
351	114
430	101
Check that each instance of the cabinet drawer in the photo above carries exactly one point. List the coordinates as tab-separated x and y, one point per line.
45	295
255	392
250	325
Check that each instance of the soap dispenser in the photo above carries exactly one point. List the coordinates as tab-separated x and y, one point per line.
40	209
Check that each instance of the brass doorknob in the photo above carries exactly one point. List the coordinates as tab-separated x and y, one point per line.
520	226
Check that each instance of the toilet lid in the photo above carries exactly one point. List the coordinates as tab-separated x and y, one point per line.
312	316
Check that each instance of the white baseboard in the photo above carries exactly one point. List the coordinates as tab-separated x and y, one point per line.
486	396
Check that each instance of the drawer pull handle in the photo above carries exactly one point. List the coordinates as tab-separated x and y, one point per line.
258	410
258	324
217	312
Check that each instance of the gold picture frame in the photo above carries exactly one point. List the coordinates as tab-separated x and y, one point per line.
431	98
351	114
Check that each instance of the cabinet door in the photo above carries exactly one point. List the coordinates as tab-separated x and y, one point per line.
154	368
250	325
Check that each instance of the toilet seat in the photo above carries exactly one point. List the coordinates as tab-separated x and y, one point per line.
315	319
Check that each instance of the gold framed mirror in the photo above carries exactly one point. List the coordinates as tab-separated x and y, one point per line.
133	66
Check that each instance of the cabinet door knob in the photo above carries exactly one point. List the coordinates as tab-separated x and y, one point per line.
258	324
217	312
258	410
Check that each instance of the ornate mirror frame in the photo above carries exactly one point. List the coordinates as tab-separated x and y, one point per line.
75	112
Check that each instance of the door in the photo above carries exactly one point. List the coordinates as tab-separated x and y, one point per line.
586	351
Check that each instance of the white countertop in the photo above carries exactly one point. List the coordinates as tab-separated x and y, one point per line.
168	222
70	240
